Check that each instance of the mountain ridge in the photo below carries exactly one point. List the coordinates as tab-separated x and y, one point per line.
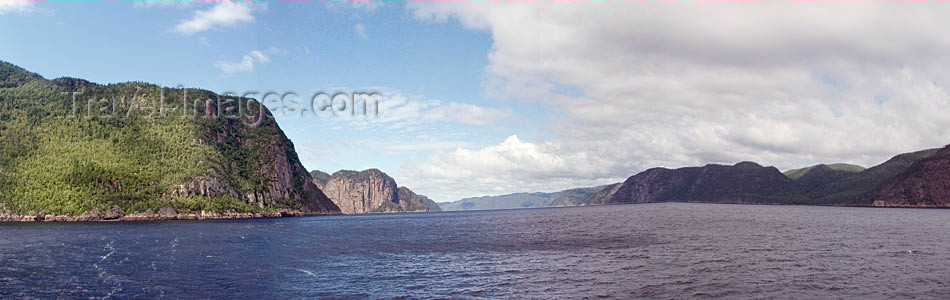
568	197
841	167
751	183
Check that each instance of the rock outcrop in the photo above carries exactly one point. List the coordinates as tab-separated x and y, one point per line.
369	191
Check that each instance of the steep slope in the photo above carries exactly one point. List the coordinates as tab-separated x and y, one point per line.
370	191
416	202
571	197
134	149
575	197
926	183
601	197
846	191
745	182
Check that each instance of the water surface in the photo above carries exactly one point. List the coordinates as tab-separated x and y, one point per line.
624	251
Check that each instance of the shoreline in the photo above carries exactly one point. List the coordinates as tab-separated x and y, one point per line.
137	217
205	215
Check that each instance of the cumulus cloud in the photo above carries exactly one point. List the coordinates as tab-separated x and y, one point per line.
222	15
633	85
246	63
20	7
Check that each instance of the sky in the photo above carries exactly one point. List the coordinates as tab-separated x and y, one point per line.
489	98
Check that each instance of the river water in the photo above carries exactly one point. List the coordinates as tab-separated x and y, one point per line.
672	250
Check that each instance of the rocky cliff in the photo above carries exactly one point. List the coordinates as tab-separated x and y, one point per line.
136	149
848	189
926	183
745	182
370	191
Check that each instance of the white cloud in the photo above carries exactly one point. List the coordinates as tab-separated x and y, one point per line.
632	85
13	6
399	111
222	15
360	30
513	165
246	63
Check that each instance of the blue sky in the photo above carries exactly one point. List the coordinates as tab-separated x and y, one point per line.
309	48
484	98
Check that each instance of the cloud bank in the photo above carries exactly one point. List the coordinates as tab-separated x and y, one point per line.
632	85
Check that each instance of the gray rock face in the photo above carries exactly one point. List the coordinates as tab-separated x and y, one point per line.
369	191
207	186
279	172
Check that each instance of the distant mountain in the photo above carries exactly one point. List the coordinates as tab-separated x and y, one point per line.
745	182
114	153
911	179
370	191
319	178
839	167
818	176
926	183
569	197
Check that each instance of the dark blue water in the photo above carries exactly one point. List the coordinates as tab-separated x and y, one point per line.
629	251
